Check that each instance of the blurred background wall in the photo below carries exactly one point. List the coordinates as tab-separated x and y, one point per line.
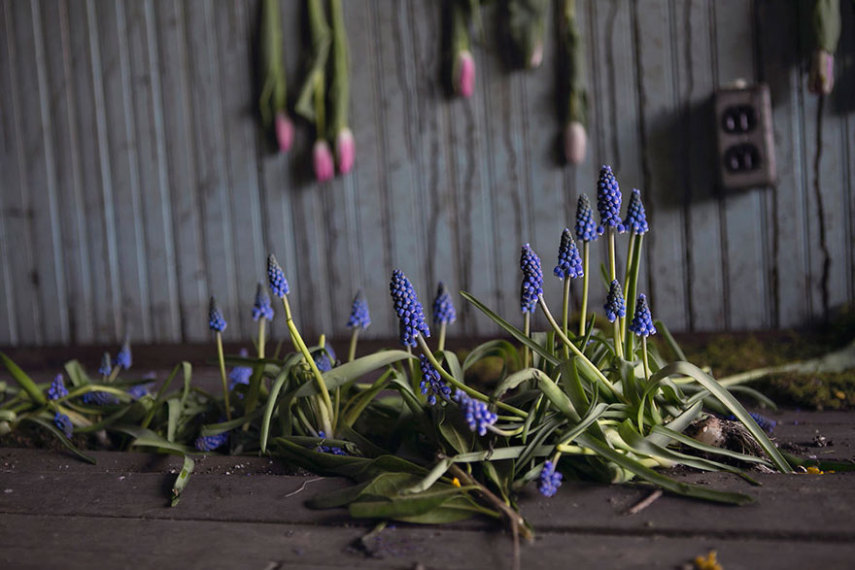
136	181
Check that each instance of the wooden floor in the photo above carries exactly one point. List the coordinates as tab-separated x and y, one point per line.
240	512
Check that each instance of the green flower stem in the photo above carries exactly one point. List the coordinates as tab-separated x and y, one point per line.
586	246
262	330
626	276
222	361
599	375
326	408
644	360
351	351
566	313
440	345
631	286
613	276
618	343
505	433
527	331
574	449
459	385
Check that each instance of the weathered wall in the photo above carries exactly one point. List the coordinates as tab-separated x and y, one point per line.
136	183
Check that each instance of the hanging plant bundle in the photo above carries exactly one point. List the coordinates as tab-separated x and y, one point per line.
527	28
826	26
464	15
273	102
575	99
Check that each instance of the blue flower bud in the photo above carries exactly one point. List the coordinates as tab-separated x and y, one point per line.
57	388
211	442
216	322
443	308
608	200
276	277
262	308
106	367
636	218
123	359
642	322
586	229
359	315
569	260
532	282
615	305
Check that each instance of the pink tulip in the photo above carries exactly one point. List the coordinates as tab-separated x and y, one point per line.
575	142
821	80
464	80
345	150
284	131
536	57
323	161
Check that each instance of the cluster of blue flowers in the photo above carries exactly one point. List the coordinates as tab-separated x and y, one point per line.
276	277
431	384
642	321
216	322
636	218
476	412
100	398
57	388
532	283
123	359
325	358
239	375
262	309
63	422
443	308
106	367
615	305
359	315
608	200
211	442
569	260
329	448
140	390
586	229
766	424
550	479
411	316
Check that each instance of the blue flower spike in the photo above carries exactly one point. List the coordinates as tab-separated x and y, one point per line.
63	422
106	367
262	309
276	277
615	305
240	374
57	388
586	229
327	448
569	260
642	321
211	442
608	200
360	318
411	317
124	358
532	282
478	415
431	384
216	322
549	480
443	307
636	218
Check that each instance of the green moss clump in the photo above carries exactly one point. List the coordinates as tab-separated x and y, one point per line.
822	391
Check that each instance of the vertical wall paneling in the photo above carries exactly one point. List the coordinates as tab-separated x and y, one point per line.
137	182
662	172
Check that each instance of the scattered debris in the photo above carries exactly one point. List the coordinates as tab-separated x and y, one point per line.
645	502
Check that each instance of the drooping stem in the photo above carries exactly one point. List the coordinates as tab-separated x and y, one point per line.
459	385
351	352
326	408
222	360
584	316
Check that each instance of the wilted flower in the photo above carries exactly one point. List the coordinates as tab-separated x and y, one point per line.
322	159
575	142
284	131
464	73
345	150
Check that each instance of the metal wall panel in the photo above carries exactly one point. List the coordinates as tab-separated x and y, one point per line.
136	181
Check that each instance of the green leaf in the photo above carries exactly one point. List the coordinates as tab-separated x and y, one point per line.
24	381
501	348
182	480
146	438
60	436
672	344
76	374
406	505
341	375
458	441
555	395
272	399
727	399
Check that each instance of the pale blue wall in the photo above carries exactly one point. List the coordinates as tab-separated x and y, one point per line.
135	181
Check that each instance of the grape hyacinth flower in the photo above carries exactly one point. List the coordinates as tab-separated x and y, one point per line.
57	388
216	322
532	283
327	448
323	162
276	277
211	442
262	309
642	322
443	308
636	218
586	229
550	479
124	359
345	150
63	422
569	260
411	317
140	390
323	360
615	306
766	424
360	318
100	398
477	414
608	200
432	385
106	368
240	374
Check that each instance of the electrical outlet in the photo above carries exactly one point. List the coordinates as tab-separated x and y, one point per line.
746	152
